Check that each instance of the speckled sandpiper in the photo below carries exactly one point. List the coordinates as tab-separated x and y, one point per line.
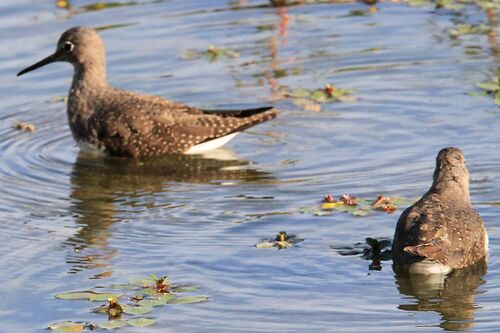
441	231
122	123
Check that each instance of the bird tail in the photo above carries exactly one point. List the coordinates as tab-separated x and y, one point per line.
240	113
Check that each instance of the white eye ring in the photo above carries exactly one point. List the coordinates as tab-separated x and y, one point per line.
68	46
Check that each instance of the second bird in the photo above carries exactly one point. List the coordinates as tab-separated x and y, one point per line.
122	123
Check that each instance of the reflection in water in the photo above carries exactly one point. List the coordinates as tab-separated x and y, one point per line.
101	185
452	296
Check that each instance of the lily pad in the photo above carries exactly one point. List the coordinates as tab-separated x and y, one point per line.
136	310
112	324
67	326
141	322
189	299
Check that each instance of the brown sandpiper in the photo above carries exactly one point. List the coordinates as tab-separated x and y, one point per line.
123	123
441	231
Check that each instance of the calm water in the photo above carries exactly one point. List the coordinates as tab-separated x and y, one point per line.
72	222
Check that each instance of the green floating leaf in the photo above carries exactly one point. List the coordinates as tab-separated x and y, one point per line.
189	299
146	292
168	297
151	302
319	96
300	93
141	322
103	297
142	282
184	289
112	324
67	326
489	86
75	295
136	310
87	294
104	5
418	3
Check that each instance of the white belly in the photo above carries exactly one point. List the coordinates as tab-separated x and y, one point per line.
87	147
428	267
209	145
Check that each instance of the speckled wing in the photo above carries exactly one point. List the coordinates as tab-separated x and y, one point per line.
155	126
438	231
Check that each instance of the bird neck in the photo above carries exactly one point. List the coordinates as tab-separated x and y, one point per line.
89	76
452	187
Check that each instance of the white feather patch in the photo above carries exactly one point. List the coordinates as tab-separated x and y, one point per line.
428	267
209	145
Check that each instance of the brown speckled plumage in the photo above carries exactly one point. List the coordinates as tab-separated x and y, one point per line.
124	123
442	226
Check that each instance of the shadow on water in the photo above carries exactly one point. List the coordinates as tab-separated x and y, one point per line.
452	296
99	186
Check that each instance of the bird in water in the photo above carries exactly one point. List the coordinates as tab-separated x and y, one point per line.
123	123
441	231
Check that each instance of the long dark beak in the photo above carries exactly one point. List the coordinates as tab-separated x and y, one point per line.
46	61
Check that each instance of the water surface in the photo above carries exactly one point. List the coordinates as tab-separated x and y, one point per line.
72	222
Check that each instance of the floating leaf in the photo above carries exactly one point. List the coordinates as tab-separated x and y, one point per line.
103	297
168	297
151	302
112	324
300	93
67	326
141	322
75	295
104	5
142	282
489	86
355	206
87	294
418	3
469	29
136	310
189	299
282	241
184	289
319	96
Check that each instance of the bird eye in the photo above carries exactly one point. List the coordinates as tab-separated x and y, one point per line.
68	46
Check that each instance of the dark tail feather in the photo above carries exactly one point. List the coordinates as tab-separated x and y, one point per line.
238	113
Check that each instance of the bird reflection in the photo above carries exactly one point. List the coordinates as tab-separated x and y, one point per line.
100	184
452	296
